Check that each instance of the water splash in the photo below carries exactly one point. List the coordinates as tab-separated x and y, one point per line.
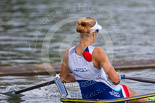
11	88
44	92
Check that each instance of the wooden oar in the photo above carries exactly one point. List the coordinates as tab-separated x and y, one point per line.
140	79
29	88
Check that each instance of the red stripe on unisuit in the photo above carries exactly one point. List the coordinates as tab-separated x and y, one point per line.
87	56
126	90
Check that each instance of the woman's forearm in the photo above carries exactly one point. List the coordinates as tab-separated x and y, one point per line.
68	78
114	76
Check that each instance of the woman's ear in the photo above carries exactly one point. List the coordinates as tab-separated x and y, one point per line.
94	33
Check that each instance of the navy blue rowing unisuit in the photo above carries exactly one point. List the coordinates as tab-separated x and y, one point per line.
93	81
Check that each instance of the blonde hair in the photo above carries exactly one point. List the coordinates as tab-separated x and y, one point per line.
84	24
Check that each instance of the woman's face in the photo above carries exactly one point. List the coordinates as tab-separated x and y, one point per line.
94	36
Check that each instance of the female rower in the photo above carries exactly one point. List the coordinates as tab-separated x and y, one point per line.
91	68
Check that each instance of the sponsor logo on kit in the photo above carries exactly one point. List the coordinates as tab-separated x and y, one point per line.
80	70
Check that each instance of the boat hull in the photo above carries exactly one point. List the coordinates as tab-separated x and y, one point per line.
71	100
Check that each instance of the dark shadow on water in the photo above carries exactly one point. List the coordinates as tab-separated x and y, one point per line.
15	99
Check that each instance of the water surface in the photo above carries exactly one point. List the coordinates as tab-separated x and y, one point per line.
50	94
25	24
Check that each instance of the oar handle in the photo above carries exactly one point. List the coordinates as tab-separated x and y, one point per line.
122	76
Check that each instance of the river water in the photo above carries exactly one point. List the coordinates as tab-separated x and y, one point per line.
38	31
50	94
128	29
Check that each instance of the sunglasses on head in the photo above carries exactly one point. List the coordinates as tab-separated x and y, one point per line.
97	30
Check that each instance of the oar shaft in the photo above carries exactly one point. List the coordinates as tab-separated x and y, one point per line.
146	80
34	87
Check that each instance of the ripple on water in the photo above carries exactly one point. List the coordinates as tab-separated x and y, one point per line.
24	26
51	93
21	45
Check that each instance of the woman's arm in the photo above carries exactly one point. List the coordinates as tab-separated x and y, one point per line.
65	74
102	59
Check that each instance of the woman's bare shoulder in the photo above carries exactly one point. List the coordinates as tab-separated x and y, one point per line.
65	57
98	55
66	53
98	50
67	50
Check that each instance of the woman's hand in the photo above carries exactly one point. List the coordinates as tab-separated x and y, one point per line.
119	76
